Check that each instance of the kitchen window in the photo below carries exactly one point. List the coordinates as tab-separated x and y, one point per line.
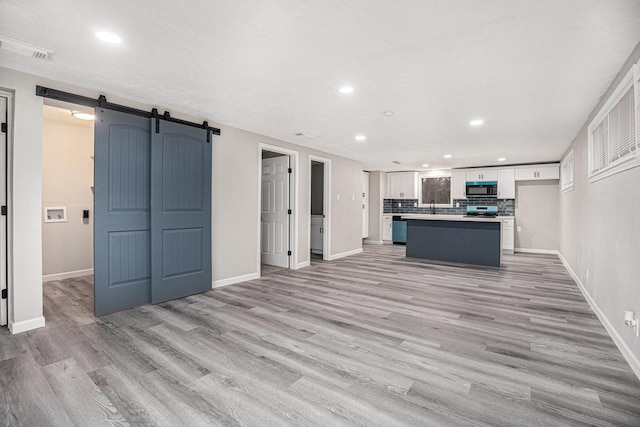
566	173
613	134
435	186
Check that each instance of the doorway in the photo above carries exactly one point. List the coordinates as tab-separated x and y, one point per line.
320	207
67	194
277	209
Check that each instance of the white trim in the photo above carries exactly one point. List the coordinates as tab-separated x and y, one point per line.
26	325
9	198
433	174
618	166
233	280
302	265
293	196
67	275
326	208
4	226
345	254
631	359
373	242
537	251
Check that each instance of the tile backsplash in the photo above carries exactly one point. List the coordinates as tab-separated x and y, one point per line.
506	207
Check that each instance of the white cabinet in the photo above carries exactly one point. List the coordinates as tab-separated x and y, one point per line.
402	185
387	227
507	235
506	184
365	185
538	172
458	185
317	230
365	218
482	175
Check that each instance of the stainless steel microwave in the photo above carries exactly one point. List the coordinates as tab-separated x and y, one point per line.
482	189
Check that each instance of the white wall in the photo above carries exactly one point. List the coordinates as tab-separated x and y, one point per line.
600	233
235	197
536	214
67	177
24	202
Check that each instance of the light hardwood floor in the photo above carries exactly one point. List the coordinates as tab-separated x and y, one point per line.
372	339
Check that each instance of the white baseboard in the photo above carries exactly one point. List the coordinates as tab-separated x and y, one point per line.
67	275
537	251
302	265
232	280
344	254
373	242
631	359
26	325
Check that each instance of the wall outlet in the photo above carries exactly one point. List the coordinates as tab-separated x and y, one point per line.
399	204
415	204
519	229
353	197
457	204
337	197
587	274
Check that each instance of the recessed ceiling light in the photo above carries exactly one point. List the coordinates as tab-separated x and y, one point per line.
345	89
426	165
447	156
502	159
388	113
108	37
82	116
476	122
360	137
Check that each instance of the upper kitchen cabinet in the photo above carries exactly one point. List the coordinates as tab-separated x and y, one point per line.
506	184
365	185
482	175
458	185
402	185
538	172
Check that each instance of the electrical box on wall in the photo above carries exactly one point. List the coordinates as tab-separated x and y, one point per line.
55	214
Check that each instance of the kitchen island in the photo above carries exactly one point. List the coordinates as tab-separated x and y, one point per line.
455	238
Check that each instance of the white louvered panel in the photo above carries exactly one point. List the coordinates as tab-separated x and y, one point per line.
600	146
623	138
614	137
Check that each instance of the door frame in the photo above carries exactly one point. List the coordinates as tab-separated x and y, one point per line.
326	205
9	198
293	203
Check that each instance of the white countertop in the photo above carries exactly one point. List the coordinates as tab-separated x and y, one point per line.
453	217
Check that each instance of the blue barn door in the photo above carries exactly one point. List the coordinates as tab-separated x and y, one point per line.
180	210
122	215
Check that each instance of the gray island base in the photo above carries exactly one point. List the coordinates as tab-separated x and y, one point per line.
455	239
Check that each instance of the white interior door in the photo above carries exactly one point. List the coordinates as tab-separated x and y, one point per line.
274	222
3	202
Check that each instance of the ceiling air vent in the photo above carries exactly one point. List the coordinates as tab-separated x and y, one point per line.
304	134
24	49
396	162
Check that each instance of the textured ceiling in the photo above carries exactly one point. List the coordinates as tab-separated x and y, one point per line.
533	70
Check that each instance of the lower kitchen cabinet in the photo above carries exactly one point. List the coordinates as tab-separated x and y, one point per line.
387	228
508	235
317	229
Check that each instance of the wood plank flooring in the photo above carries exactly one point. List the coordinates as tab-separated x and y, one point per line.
373	339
